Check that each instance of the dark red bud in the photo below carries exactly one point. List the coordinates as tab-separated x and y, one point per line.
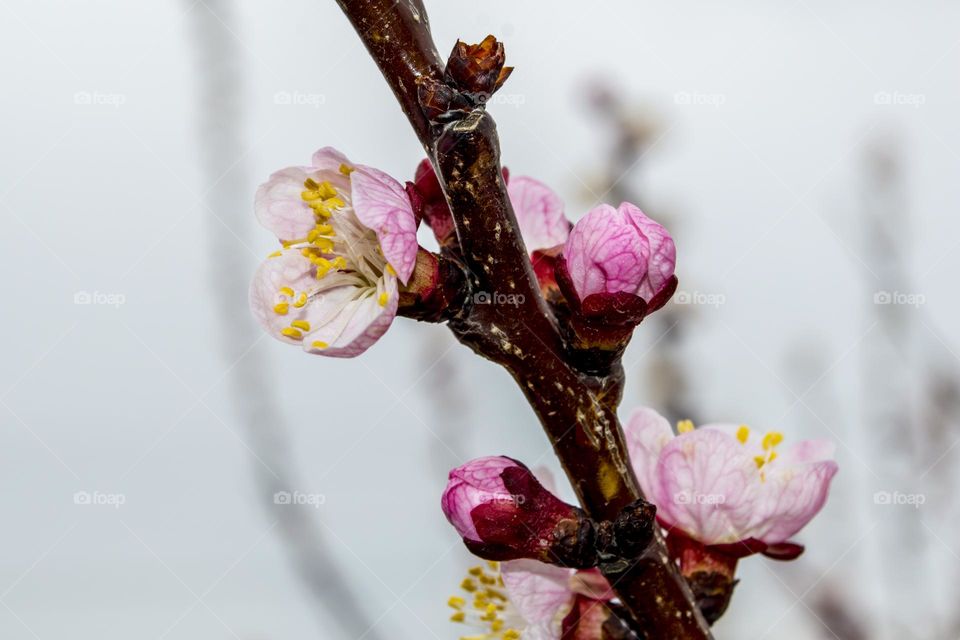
478	68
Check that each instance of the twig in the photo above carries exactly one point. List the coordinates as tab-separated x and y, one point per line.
577	410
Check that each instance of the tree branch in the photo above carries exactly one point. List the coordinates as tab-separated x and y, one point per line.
576	409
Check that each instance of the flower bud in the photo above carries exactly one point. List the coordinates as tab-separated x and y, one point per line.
503	513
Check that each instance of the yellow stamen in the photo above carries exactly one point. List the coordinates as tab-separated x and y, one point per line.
391	270
281	308
456	602
459	616
772	439
685	426
287	291
760	460
311	184
319	344
275	254
468	585
383	299
301	300
475	571
511	634
345	170
301	324
772	456
290	332
743	433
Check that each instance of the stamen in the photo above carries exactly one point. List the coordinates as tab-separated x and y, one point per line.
281	308
685	426
772	439
275	254
319	344
743	434
345	170
301	300
287	291
383	299
301	324
290	332
391	270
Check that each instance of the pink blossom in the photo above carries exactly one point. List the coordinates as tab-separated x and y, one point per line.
621	250
539	213
348	234
727	485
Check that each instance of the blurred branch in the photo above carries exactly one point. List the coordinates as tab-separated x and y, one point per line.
576	409
220	81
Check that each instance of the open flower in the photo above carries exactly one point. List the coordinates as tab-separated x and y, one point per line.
533	601
727	487
620	253
348	234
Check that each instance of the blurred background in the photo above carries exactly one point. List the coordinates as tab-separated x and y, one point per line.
803	153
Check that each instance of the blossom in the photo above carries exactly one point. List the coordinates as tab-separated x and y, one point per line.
620	251
532	600
348	235
728	487
539	213
502	512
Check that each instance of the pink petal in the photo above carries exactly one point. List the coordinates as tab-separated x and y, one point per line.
292	270
808	451
605	253
539	213
708	487
472	484
790	497
541	593
381	204
647	432
329	159
280	208
348	325
662	259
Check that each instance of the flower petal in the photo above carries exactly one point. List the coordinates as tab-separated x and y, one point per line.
707	487
662	260
790	497
646	432
276	286
346	325
330	159
279	206
382	204
605	253
541	594
539	213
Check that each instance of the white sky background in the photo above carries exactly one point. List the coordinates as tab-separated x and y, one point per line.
104	198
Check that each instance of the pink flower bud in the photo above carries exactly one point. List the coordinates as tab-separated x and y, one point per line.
503	513
612	252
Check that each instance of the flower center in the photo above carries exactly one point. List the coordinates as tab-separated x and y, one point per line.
485	605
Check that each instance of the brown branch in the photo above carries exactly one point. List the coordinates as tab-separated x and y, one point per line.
577	410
